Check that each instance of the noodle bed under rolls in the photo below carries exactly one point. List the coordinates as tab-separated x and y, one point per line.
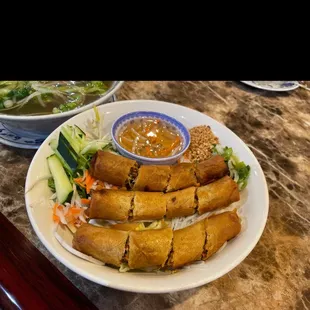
158	247
121	171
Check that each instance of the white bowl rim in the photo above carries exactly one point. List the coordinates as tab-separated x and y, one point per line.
150	159
115	86
156	290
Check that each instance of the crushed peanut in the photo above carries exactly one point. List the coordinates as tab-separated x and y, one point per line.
202	141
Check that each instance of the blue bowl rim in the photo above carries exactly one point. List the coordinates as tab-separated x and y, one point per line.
160	115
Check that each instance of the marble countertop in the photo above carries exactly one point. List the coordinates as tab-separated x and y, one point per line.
276	126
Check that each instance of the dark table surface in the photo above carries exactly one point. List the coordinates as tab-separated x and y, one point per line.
276	275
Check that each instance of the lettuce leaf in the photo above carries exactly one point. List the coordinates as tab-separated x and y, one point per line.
239	171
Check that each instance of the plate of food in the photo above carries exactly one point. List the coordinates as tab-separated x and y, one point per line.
273	85
146	196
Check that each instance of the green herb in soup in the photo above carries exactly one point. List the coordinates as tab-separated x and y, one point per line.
47	97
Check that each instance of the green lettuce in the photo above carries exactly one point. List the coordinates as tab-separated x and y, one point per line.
239	171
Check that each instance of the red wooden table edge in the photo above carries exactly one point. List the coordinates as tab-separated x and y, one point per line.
28	280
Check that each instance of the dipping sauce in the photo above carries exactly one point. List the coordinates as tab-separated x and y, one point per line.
150	137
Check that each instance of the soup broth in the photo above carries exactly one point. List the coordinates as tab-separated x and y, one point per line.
48	97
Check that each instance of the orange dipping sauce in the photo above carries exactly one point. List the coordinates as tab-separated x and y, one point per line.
150	137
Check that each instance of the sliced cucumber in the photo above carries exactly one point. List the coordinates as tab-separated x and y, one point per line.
75	137
62	182
67	153
67	147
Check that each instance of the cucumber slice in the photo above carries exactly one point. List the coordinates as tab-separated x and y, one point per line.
62	182
74	136
67	153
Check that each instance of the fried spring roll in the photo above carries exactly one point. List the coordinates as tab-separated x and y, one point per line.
105	244
148	206
152	178
182	176
121	171
110	204
149	248
211	169
218	194
220	228
123	205
112	168
158	247
188	245
181	203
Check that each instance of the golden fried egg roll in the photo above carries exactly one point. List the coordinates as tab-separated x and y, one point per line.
220	228
181	203
148	206
105	244
188	245
152	178
182	176
218	194
157	247
112	168
149	248
211	169
110	204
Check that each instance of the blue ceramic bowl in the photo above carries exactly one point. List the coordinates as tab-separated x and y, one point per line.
120	122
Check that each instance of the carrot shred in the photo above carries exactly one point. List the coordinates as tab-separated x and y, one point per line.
56	218
85	201
78	180
89	184
75	210
54	208
169	149
89	181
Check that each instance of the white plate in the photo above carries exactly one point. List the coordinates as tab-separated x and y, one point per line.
255	209
273	85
